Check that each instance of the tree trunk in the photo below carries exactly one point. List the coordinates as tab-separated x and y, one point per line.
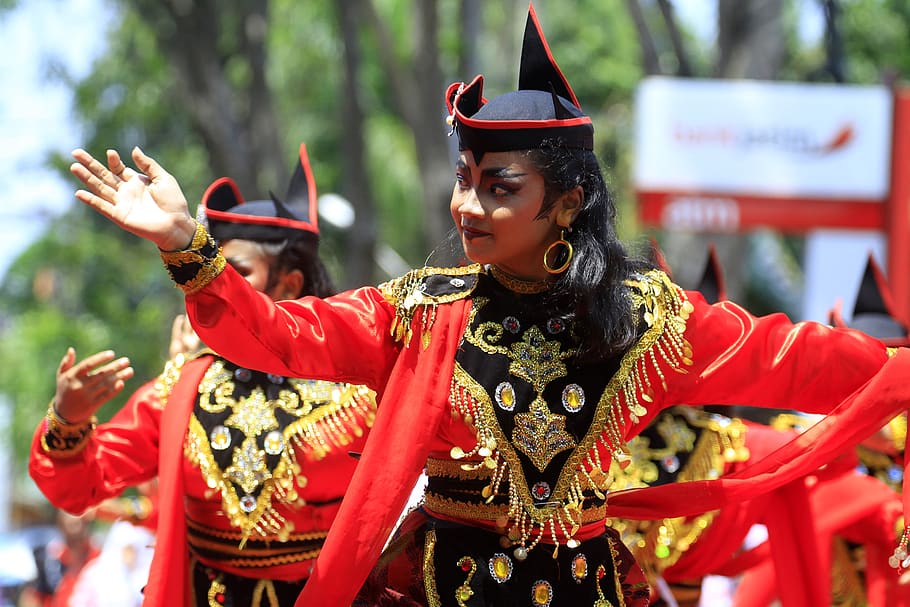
361	239
418	90
750	38
236	123
650	60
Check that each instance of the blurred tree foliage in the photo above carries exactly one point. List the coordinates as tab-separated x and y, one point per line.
231	88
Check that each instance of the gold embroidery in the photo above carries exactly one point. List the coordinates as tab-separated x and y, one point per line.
203	252
408	297
614	554
348	409
429	570
63	439
169	377
217	587
234	536
269	587
660	544
539	433
601	601
664	309
464	593
493	512
517	285
248	558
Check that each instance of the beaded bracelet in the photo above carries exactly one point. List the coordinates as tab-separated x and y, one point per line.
62	438
197	265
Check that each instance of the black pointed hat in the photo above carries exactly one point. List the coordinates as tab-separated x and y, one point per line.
229	216
872	312
712	285
544	106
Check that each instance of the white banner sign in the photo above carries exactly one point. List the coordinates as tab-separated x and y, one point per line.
763	138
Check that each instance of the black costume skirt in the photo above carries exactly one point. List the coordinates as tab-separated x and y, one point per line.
213	588
436	563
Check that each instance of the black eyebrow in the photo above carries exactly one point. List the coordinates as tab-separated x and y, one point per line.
498	172
502	173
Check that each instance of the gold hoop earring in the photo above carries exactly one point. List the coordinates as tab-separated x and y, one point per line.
569	252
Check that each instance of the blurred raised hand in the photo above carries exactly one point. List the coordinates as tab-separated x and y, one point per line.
82	387
183	339
147	202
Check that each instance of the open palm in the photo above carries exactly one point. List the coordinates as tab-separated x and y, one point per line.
148	202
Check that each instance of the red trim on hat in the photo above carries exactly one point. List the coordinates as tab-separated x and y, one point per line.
311	190
503	124
836	315
522	124
229	217
216	185
533	14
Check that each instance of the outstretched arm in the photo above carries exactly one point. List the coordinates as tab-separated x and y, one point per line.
148	202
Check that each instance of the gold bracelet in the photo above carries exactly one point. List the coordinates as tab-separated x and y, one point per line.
62	438
197	265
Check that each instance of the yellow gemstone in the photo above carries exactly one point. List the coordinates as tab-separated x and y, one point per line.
501	568
572	397
541	593
661	552
464	593
580	568
507	396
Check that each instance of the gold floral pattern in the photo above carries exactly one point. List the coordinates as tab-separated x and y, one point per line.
316	418
663	310
414	299
721	441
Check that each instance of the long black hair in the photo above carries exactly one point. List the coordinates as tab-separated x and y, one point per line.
593	286
298	254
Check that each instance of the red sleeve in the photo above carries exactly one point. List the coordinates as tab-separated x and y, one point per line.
119	454
740	359
345	338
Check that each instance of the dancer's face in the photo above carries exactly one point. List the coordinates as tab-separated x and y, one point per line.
496	206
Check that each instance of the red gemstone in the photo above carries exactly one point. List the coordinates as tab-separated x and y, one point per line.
465	566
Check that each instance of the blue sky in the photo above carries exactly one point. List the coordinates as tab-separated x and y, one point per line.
36	118
35	114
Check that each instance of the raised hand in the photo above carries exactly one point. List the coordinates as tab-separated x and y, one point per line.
84	386
148	203
183	338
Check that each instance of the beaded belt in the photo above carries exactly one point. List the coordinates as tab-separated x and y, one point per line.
217	545
456	493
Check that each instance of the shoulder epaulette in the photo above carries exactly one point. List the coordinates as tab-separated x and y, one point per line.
422	290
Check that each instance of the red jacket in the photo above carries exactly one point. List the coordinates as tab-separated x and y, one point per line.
735	359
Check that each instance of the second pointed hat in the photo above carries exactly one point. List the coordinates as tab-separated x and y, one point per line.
229	216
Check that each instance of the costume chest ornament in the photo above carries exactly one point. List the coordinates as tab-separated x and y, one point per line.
416	295
249	433
541	429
